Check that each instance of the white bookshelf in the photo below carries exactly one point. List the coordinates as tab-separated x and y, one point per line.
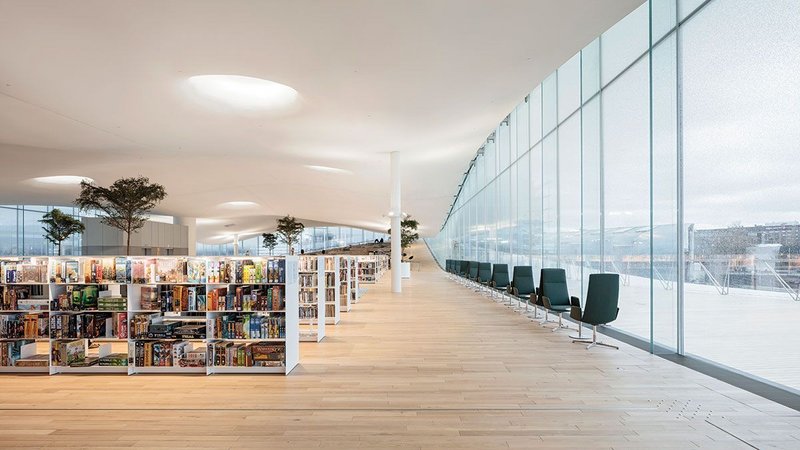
176	323
345	294
355	292
311	307
333	309
382	263
367	269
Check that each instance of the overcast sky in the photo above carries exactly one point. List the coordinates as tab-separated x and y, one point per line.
741	107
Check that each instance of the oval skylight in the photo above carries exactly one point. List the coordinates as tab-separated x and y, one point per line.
327	169
62	179
239	204
243	93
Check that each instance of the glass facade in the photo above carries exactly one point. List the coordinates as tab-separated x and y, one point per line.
314	239
663	151
21	233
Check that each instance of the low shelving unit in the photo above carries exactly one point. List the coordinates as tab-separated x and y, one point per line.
345	296
331	290
311	306
137	315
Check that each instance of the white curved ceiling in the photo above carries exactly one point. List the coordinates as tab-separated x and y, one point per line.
93	88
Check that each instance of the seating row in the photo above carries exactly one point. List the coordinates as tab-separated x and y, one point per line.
552	294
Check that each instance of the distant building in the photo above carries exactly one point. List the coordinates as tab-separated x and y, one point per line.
736	240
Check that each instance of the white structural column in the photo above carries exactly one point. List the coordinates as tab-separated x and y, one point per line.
236	244
396	214
191	235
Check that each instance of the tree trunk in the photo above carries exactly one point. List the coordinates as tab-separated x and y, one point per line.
59	248
128	243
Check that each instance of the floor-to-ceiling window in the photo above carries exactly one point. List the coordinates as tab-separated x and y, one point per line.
663	151
741	131
312	239
21	232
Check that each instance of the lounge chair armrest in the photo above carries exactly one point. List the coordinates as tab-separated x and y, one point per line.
576	313
546	302
575	301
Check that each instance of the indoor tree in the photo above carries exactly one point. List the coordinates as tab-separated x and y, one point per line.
59	226
289	231
408	232
269	241
123	205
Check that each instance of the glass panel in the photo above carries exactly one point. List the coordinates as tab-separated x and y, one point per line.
741	103
590	70
490	164
492	206
550	201
33	240
512	136
569	201
503	147
512	213
549	104
686	7
569	87
504	212
624	43
522	239
536	206
523	141
8	231
665	201
535	114
663	14
479	172
592	192
626	155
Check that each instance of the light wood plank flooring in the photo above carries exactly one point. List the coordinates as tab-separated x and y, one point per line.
435	367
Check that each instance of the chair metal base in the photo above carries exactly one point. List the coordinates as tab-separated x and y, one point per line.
579	337
593	341
546	319
561	325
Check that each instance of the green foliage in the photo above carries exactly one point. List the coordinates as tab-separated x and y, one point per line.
408	232
289	231
269	241
123	205
59	226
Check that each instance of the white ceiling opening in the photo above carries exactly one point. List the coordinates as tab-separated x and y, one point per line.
98	89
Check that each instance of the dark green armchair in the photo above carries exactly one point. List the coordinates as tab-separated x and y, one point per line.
602	306
522	285
500	279
463	268
485	274
473	270
554	295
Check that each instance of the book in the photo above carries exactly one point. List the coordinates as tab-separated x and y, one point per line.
69	353
33	361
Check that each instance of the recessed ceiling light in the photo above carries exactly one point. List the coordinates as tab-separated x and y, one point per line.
62	179
239	204
243	93
327	169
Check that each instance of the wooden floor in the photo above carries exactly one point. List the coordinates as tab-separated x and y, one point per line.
436	367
